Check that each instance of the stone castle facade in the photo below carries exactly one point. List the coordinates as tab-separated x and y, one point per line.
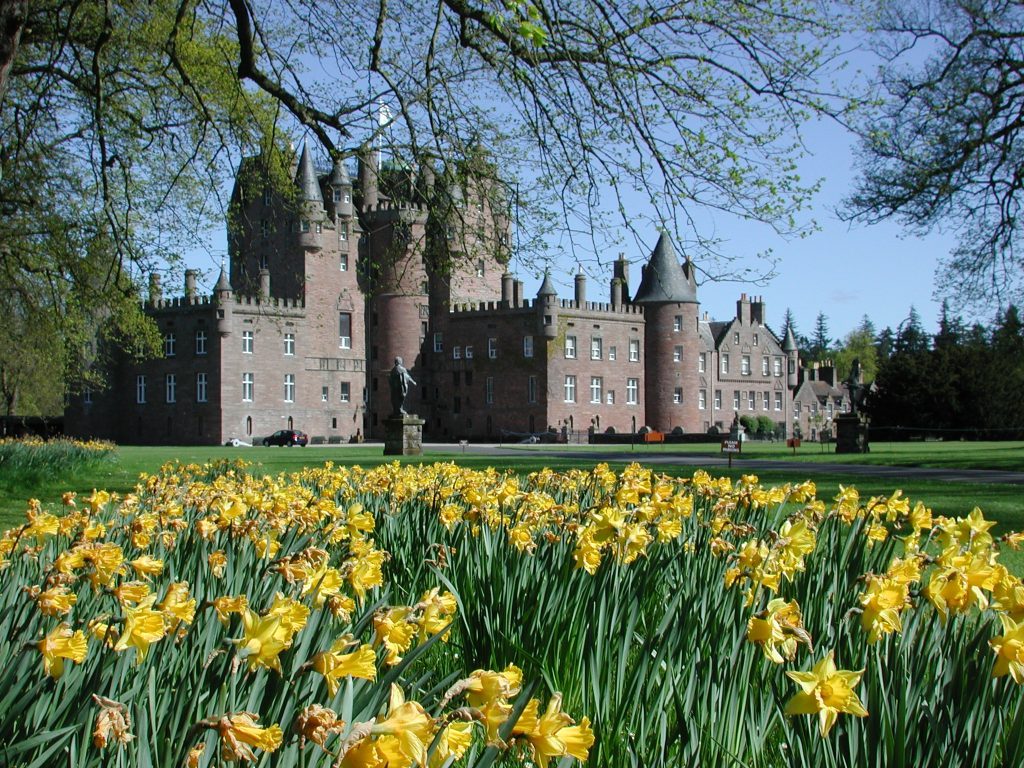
326	287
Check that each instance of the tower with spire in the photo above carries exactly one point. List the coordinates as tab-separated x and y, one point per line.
668	294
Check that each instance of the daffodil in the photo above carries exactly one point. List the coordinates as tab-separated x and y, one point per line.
142	627
406	732
335	664
60	644
56	601
1009	648
239	733
825	691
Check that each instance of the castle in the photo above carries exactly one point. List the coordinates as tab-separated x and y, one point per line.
328	284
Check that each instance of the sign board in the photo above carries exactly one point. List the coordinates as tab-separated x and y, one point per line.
793	442
731	446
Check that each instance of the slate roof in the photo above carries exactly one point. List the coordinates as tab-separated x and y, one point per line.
306	179
665	280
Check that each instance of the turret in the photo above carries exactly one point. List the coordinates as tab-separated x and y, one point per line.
340	186
506	288
616	293
620	271
581	289
793	358
547	308
264	284
311	203
155	293
222	293
668	294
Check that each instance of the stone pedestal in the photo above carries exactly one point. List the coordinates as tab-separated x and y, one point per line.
403	435
851	433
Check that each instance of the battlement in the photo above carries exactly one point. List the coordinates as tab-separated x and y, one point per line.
273	301
177	302
488	307
386	206
567	304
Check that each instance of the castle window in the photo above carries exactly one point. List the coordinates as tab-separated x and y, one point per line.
169	345
677	323
200	387
319	227
200	342
304	225
346	198
268	196
702	399
86	396
718	399
677	396
469	351
140	389
345	330
778	401
632	391
570	347
264	228
531	389
343	262
289	387
745	365
570	389
547	319
492	348
438	342
343	237
480	268
677	354
735	399
634	350
612	353
764	366
264	261
756	339
527	346
469	378
457	404
750	400
489	390
345	391
736	338
424	287
289	343
796	407
596	387
247	342
766	401
596	348
456	352
777	369
248	387
171	388
610	397
325	393
702	362
336	195
725	364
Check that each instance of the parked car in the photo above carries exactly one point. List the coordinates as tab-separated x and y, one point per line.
288	437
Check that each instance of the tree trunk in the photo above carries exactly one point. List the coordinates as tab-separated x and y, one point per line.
12	22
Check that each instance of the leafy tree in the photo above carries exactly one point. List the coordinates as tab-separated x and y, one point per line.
859	344
947	148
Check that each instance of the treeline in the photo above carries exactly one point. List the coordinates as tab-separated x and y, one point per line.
963	378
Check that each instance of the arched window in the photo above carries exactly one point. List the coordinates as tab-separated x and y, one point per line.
248	426
291	424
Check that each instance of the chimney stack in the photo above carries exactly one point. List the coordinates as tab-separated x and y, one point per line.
190	284
155	294
264	284
581	290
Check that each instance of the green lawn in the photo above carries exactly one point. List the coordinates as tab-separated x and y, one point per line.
1000	502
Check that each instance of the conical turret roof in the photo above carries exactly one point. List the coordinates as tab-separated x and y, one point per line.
546	287
339	175
789	343
664	280
222	282
305	178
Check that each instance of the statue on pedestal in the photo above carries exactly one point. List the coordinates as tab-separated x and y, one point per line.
856	388
399	380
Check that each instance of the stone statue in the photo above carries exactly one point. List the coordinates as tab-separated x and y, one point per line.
399	381
855	386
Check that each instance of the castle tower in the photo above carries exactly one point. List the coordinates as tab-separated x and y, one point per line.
547	308
668	294
793	359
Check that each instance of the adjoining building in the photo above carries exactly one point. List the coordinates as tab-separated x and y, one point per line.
328	285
